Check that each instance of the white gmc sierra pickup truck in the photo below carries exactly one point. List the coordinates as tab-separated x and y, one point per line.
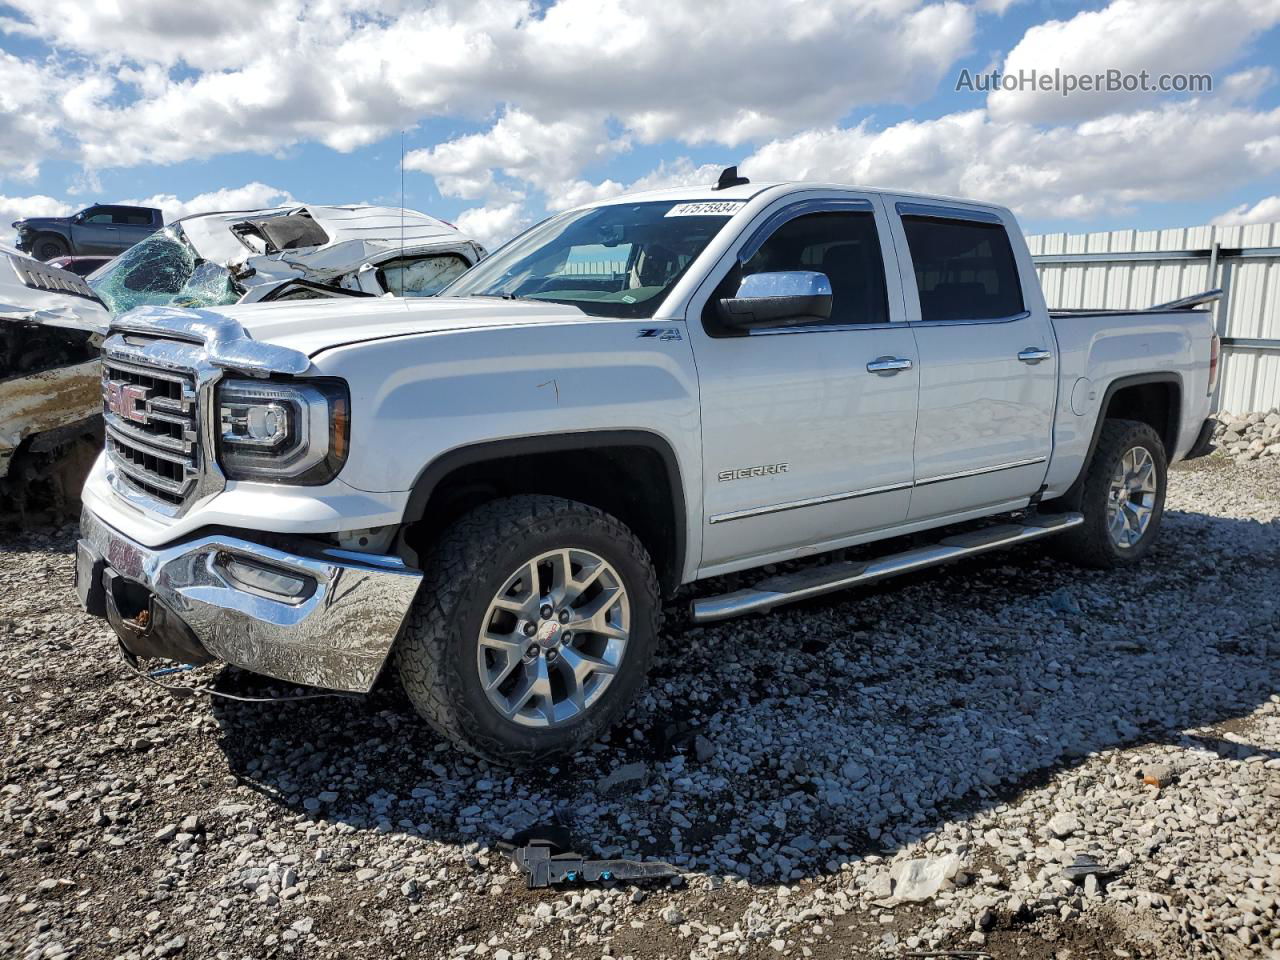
488	492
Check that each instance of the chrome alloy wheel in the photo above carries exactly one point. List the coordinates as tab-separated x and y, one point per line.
1131	498
553	638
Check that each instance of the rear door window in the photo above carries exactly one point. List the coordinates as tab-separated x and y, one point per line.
965	269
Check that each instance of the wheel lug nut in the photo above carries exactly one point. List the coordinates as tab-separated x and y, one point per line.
564	616
530	629
551	654
532	651
567	637
546	611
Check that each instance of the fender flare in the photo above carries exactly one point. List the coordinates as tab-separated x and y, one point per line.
1072	493
1115	386
487	450
1138	380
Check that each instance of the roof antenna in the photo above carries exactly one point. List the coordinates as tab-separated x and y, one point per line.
402	196
729	178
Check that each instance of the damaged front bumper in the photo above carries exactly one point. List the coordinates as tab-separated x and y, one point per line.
327	618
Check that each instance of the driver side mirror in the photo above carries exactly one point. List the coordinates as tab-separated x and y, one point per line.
78	218
785	299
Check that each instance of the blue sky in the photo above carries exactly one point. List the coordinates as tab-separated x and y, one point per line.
510	109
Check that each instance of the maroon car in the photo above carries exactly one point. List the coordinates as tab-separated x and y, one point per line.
81	266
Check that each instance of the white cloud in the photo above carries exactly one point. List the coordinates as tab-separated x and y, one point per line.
1159	36
1244	86
27	124
998	7
499	221
251	196
679	173
15	208
520	146
190	84
1160	155
564	86
203	35
1266	210
494	225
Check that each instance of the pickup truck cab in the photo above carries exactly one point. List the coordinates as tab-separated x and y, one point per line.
104	229
489	492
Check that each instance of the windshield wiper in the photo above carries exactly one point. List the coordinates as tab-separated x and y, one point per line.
499	296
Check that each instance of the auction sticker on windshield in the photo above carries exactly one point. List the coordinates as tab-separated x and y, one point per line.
707	208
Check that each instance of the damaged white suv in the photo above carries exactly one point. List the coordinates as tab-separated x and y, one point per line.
488	492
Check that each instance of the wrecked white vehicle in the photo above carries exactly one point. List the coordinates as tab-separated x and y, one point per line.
289	253
51	320
51	325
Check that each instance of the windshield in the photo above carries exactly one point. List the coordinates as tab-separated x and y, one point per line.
619	260
163	270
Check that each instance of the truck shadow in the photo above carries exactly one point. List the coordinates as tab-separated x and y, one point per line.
777	747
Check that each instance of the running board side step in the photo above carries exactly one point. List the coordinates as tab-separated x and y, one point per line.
802	584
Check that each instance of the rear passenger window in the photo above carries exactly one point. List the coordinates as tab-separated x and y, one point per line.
842	245
964	269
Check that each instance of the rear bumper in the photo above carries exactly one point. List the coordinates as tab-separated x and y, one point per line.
327	618
1204	440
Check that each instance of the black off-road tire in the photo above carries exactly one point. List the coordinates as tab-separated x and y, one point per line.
49	247
1090	545
464	569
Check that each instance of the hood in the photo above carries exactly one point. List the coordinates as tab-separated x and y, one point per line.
312	326
38	221
36	292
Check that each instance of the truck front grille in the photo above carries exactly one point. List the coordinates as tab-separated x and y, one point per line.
153	428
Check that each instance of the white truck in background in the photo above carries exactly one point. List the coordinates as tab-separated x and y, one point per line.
488	492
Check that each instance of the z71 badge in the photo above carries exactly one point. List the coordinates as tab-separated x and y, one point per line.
763	470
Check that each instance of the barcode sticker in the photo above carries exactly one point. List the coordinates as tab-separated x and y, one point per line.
707	208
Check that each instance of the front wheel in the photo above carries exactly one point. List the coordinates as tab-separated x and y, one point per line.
50	248
1121	496
534	629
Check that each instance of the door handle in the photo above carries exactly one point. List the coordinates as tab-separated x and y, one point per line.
1034	355
888	366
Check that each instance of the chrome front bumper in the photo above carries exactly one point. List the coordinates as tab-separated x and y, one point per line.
187	601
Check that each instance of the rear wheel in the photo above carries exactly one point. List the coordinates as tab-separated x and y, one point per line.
1121	496
534	629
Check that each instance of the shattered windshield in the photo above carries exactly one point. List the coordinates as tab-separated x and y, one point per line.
163	270
618	260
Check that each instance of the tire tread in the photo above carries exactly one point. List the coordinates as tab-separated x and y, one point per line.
1089	544
458	556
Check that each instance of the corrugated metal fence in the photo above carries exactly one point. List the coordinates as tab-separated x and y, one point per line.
1132	269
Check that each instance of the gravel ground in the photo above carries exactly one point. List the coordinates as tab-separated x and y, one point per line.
1011	757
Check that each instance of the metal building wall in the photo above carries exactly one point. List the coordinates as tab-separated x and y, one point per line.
1132	269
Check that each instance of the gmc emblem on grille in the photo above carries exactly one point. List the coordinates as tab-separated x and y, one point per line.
126	400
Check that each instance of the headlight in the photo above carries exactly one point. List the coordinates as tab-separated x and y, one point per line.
283	432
